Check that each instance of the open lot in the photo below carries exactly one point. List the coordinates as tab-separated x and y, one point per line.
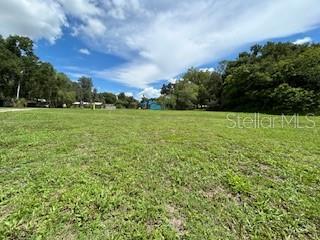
82	174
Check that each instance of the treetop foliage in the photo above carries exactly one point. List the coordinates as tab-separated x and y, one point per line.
23	75
276	77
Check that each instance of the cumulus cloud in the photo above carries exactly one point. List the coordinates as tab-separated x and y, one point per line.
34	18
159	39
84	51
303	41
149	92
128	94
81	9
92	30
45	19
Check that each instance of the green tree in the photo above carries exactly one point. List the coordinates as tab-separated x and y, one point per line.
23	75
108	98
288	99
261	79
168	101
209	87
64	93
85	89
186	93
124	101
9	71
22	49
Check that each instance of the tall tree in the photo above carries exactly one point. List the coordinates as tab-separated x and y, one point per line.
86	86
9	71
186	94
108	98
22	48
261	79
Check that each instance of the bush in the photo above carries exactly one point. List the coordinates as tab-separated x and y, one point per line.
20	103
287	99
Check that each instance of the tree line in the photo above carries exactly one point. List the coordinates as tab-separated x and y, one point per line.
24	77
274	78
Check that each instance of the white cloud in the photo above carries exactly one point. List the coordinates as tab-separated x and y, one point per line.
92	30
135	75
207	69
173	80
303	41
80	8
128	94
167	37
159	39
120	9
34	18
84	51
149	92
45	19
76	75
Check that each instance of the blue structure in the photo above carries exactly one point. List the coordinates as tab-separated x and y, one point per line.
151	104
154	106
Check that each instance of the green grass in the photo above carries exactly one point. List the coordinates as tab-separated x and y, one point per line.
81	174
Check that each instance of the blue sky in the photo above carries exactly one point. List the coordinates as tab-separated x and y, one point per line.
134	46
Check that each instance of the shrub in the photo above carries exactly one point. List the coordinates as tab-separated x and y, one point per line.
20	103
287	99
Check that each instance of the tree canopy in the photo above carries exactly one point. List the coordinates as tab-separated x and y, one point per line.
276	77
24	76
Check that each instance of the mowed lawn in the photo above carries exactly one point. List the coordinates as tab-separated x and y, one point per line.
133	174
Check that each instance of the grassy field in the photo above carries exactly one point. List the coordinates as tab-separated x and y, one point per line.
81	174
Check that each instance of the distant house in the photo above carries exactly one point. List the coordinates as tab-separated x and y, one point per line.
154	106
81	104
151	104
87	104
95	105
76	104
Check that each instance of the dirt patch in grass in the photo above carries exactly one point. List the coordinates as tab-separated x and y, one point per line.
176	220
269	173
264	167
5	212
152	225
218	192
214	192
67	233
